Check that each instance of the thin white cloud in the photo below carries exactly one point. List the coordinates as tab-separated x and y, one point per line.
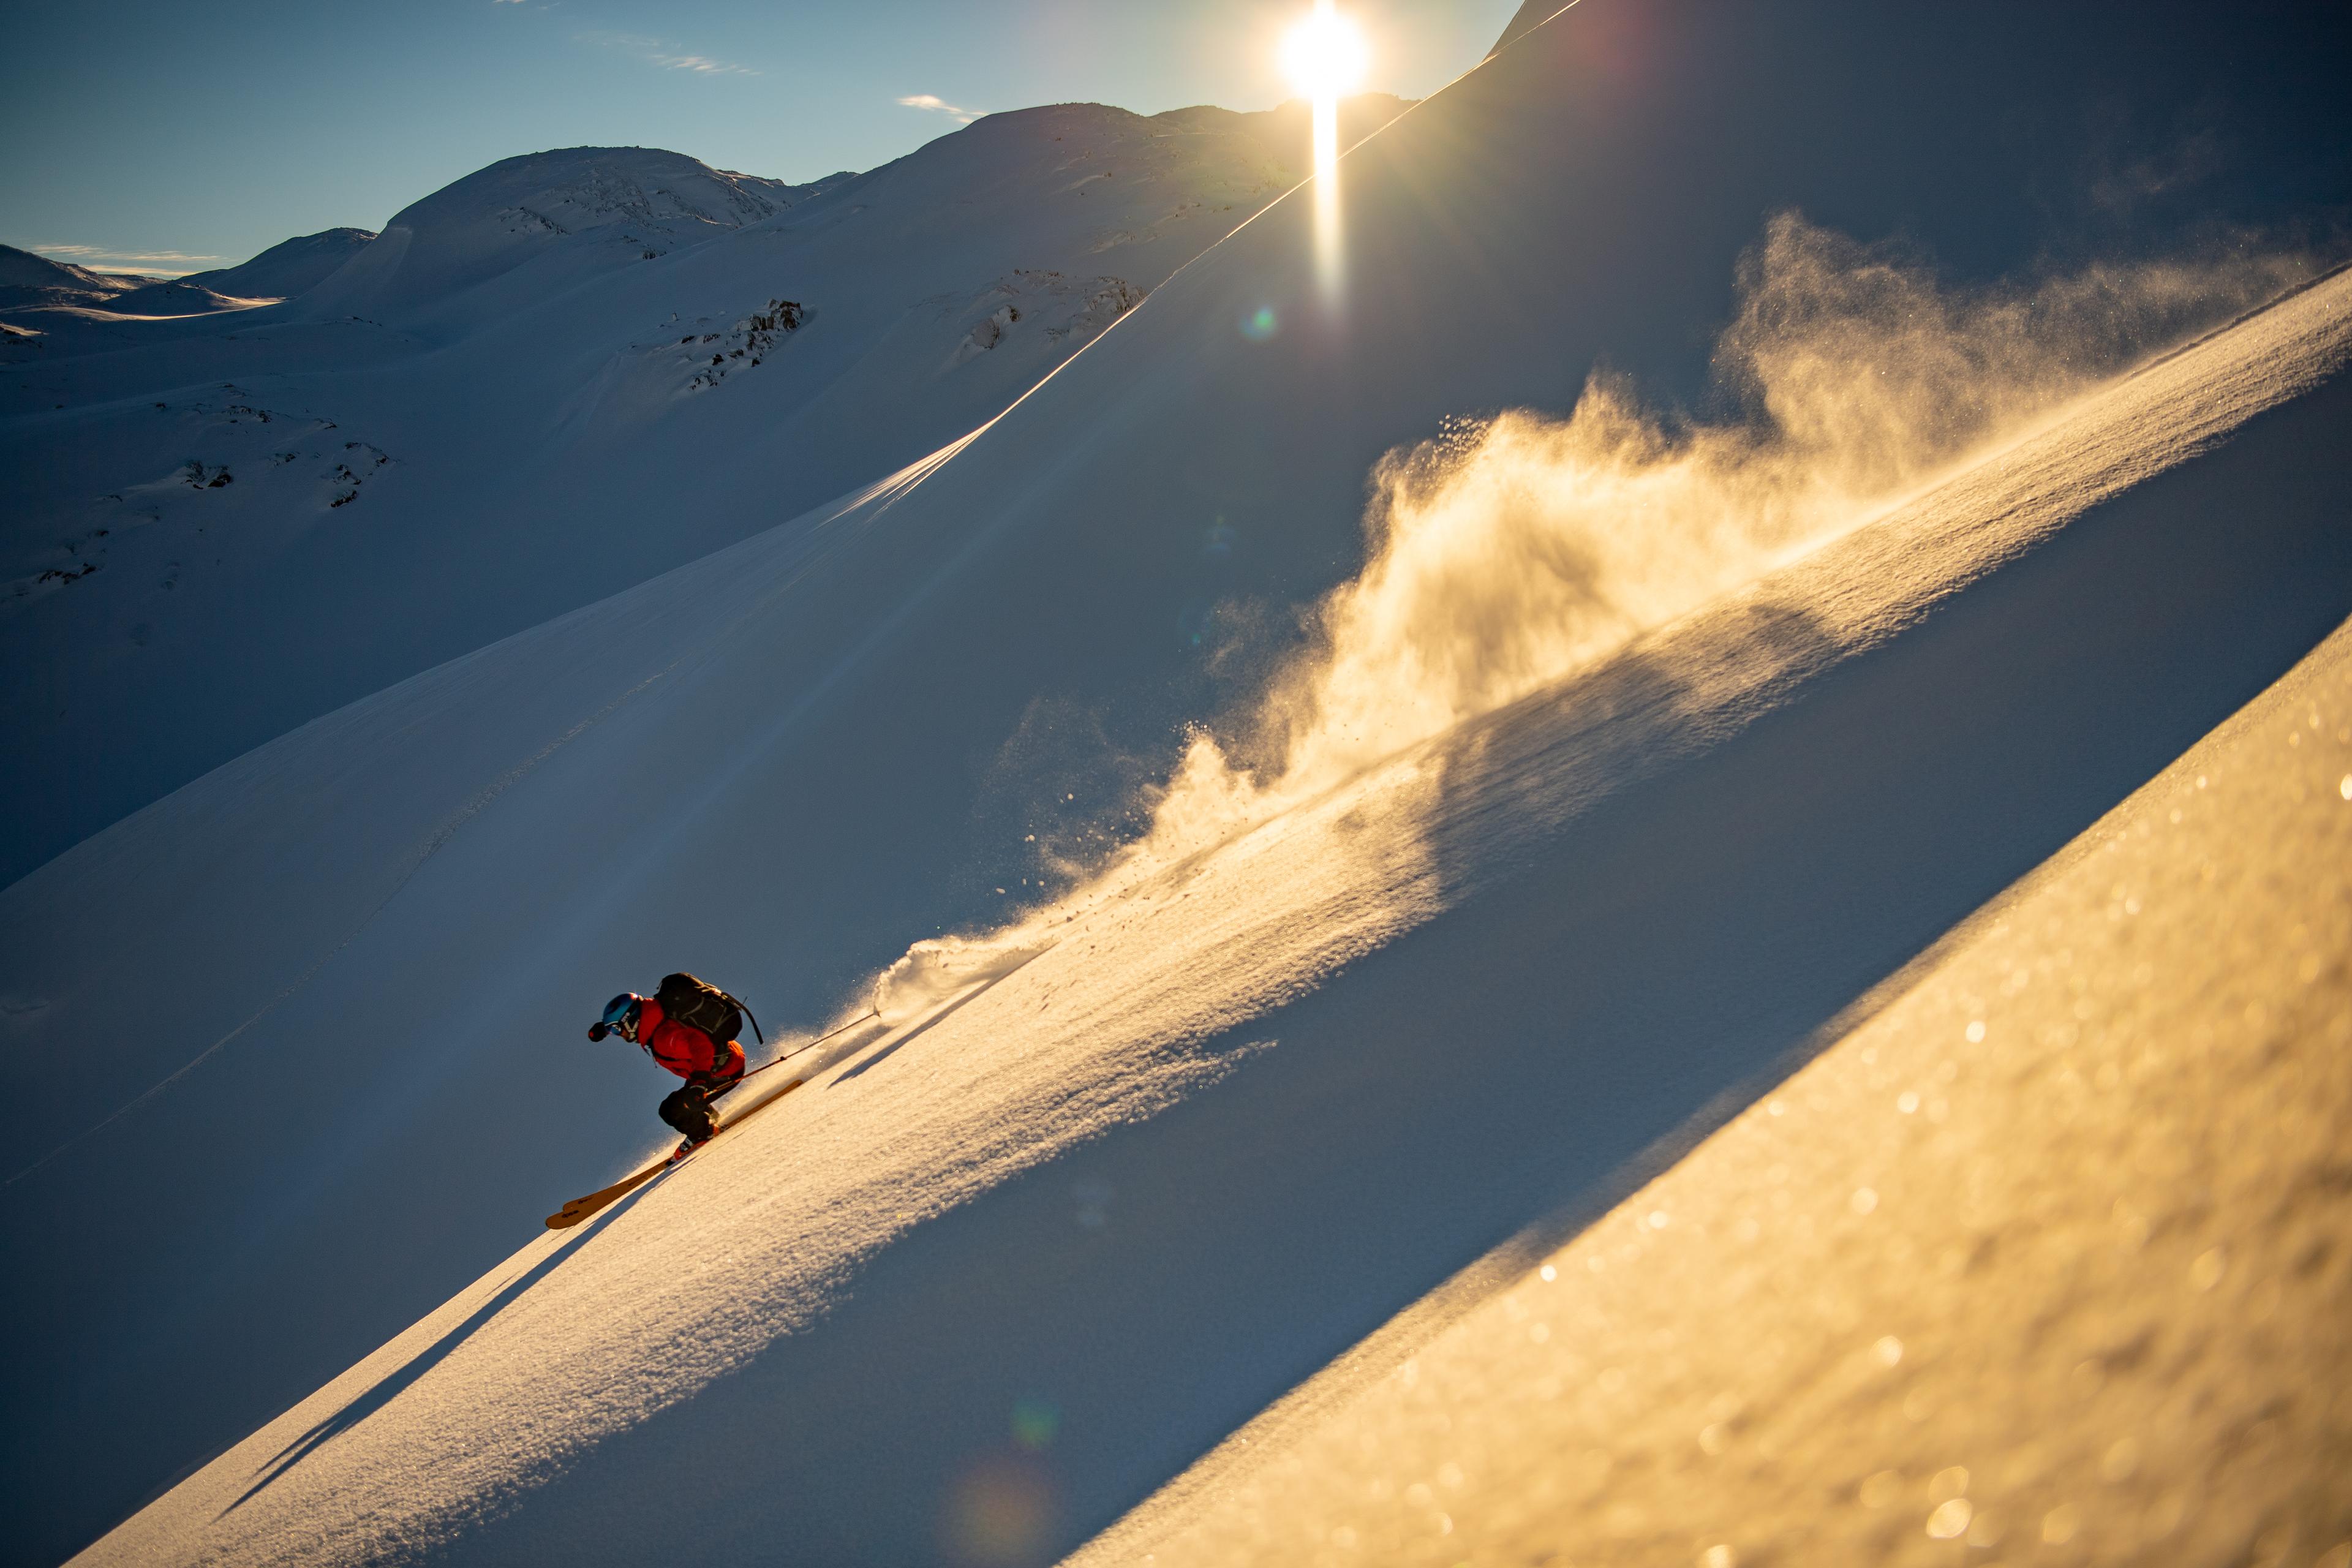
100	253
654	52
937	105
702	63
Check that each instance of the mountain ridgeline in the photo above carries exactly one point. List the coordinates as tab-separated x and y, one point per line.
552	358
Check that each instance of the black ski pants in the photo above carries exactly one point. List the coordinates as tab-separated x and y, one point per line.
688	1108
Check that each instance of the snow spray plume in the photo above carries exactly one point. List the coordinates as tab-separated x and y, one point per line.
936	972
1507	553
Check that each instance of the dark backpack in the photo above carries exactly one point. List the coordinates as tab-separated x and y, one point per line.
704	1006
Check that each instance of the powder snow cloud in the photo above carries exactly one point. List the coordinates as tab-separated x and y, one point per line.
1509	551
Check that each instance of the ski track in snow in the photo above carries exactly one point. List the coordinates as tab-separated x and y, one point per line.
726	1316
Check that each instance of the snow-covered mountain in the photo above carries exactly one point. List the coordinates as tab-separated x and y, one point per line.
535	388
288	267
27	279
44	299
537	225
1694	733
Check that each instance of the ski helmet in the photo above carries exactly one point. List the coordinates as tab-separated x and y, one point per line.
620	1017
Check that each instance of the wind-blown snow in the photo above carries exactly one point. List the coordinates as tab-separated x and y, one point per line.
1508	554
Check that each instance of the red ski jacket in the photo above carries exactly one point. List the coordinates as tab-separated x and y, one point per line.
683	1049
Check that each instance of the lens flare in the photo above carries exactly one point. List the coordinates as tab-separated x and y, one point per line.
1000	1513
1034	1422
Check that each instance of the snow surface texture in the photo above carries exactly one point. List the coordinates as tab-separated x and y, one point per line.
2045	1262
549	379
1129	1179
340	981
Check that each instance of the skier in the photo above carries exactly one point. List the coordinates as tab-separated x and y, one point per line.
688	1028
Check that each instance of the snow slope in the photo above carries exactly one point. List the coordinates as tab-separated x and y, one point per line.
539	387
1150	1161
288	267
334	973
2046	1257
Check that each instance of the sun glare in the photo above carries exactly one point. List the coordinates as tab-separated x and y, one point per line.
1325	54
1326	57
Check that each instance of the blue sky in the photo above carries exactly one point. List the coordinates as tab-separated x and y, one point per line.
165	137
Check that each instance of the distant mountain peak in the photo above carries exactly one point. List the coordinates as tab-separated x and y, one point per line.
288	267
28	279
594	185
600	206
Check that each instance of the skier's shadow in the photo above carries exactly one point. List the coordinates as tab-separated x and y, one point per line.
390	1387
933	1022
424	1360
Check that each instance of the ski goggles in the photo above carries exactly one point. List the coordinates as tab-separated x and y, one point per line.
620	1012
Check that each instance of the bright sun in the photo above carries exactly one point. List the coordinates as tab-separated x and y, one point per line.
1325	54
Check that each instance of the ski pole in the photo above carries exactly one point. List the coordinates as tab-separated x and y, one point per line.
874	1012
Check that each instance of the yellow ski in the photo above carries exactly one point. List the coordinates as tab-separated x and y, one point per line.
578	1209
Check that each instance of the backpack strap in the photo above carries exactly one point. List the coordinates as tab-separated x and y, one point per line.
747	1013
